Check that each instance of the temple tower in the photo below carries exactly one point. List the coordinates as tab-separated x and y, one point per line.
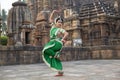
20	24
72	23
41	33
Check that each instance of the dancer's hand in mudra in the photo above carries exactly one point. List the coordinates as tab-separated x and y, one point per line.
64	41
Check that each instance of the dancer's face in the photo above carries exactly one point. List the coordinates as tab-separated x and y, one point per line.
59	23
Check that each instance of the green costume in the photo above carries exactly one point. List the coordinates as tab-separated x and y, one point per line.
52	49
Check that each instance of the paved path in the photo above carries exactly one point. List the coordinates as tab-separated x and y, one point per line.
74	70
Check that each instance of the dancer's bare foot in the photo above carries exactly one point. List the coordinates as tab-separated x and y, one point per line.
60	73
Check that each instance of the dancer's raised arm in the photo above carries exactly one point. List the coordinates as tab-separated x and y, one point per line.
51	18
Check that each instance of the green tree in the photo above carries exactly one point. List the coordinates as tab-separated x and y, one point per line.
24	1
0	14
4	20
4	16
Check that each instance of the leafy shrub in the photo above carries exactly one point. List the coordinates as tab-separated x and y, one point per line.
4	40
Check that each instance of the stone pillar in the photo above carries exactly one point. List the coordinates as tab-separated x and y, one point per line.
11	41
23	36
117	6
104	35
45	37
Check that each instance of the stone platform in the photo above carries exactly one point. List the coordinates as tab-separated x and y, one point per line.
74	70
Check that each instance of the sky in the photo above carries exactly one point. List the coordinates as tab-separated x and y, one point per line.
6	4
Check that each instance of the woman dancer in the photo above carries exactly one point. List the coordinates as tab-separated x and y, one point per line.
51	51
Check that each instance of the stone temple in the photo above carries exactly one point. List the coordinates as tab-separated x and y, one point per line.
93	26
89	22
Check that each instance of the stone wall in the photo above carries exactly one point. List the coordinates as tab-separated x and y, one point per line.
20	55
30	54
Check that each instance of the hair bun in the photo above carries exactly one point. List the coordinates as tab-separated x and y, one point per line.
58	18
